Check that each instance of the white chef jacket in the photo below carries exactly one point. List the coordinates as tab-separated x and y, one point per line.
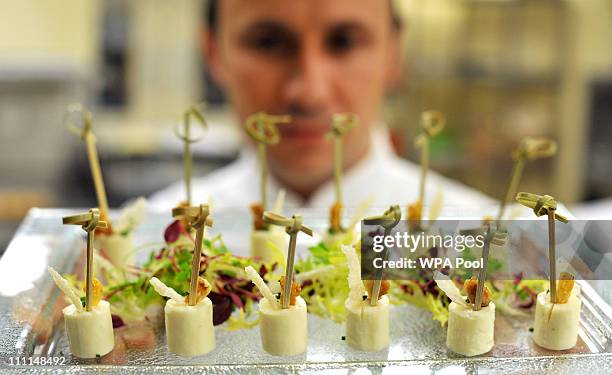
381	176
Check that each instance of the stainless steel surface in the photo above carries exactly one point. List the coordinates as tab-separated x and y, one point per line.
31	327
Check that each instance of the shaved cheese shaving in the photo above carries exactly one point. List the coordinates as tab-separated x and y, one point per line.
361	211
66	288
357	289
261	285
449	288
165	291
436	206
131	216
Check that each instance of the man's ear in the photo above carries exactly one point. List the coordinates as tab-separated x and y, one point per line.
209	45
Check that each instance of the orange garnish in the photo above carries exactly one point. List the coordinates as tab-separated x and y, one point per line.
258	222
203	290
564	287
384	287
335	214
295	290
104	231
415	212
96	291
470	288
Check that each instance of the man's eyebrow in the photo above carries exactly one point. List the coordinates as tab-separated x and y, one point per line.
269	26
349	25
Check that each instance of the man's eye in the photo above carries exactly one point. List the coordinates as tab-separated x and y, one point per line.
271	43
341	42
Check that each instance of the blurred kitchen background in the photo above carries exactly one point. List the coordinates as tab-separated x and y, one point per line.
498	69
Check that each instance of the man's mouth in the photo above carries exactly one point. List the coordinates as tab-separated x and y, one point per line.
309	131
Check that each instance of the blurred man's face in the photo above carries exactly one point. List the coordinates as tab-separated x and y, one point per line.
309	59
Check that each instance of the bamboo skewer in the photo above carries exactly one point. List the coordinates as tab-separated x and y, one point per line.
546	205
388	220
89	222
86	134
432	123
261	127
530	148
194	112
340	125
199	218
292	226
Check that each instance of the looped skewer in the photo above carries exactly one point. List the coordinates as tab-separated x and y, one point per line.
262	127
185	136
89	221
541	204
86	134
293	226
388	220
530	148
341	124
192	112
198	217
546	205
432	123
86	118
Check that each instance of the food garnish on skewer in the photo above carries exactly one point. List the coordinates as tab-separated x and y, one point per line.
470	326
557	314
432	123
530	148
189	321
341	124
115	241
262	128
471	323
89	325
284	325
367	326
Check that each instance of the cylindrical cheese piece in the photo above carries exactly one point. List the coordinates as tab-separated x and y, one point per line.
189	329
284	331
367	327
90	333
556	329
117	248
259	243
470	332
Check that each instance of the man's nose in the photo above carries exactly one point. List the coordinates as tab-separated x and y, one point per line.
309	83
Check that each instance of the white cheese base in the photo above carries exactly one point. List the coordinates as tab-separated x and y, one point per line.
470	332
556	330
259	243
90	333
284	331
367	327
189	329
117	248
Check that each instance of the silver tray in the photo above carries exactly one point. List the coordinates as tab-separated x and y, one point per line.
31	327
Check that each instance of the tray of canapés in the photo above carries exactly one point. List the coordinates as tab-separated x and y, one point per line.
192	301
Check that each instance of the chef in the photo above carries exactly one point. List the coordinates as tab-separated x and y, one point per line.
311	59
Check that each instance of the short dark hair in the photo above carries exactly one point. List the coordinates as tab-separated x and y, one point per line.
211	15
